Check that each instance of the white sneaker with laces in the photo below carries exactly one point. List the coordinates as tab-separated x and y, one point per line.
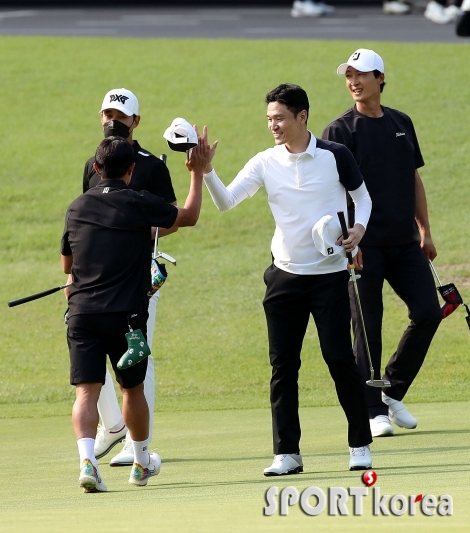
126	456
90	479
398	413
140	474
106	440
307	9
395	7
380	426
437	13
286	463
359	458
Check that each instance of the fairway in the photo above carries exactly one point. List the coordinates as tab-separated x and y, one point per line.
211	478
213	422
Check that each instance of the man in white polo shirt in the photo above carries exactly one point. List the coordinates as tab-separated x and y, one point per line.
306	180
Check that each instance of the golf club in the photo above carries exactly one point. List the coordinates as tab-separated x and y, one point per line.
372	382
26	299
167	257
451	297
156	253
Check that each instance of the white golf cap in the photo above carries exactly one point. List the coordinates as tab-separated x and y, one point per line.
325	233
363	60
121	99
181	136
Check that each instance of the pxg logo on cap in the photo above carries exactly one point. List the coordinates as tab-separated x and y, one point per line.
122	100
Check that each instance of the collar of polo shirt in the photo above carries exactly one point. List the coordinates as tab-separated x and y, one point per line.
310	149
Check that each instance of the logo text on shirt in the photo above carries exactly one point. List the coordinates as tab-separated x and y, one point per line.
399	134
105	190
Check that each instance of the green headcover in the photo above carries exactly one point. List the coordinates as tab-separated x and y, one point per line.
137	350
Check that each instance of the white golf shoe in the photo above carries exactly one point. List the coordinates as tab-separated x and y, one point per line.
284	464
140	474
396	7
126	456
438	14
360	458
90	479
380	426
398	413
106	440
307	9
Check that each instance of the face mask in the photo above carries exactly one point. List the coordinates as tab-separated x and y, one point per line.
114	128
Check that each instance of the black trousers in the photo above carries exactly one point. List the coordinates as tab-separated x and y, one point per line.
288	303
407	271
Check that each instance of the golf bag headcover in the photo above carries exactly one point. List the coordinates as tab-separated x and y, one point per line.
137	350
451	297
159	275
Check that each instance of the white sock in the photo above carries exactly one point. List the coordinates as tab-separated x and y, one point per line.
141	453
108	406
86	450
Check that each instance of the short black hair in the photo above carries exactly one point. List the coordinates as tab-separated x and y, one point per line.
292	96
377	73
113	157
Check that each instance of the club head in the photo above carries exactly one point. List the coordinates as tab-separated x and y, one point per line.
379	383
167	257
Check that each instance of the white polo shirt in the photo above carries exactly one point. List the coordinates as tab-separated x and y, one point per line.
301	188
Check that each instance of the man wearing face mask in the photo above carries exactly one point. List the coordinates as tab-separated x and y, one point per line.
119	117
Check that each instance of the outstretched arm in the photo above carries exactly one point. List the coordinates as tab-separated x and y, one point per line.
189	214
226	198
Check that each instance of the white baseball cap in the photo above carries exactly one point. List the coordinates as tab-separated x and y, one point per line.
181	136
121	99
325	233
363	60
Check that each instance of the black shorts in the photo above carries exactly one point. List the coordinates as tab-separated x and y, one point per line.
91	337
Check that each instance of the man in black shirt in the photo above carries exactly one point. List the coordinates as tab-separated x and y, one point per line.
105	250
397	244
119	115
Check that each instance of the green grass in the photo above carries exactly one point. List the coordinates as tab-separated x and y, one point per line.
211	479
211	343
213	425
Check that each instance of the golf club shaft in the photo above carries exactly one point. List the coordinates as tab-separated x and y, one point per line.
155	249
344	229
435	273
36	296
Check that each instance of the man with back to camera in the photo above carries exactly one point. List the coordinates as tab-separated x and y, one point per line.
398	242
104	248
306	181
120	116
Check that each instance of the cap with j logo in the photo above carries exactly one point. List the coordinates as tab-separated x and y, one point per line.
363	60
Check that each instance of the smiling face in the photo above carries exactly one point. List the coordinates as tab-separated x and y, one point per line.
286	128
364	87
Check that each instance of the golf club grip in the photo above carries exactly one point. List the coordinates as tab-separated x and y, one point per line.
344	229
26	299
163	158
